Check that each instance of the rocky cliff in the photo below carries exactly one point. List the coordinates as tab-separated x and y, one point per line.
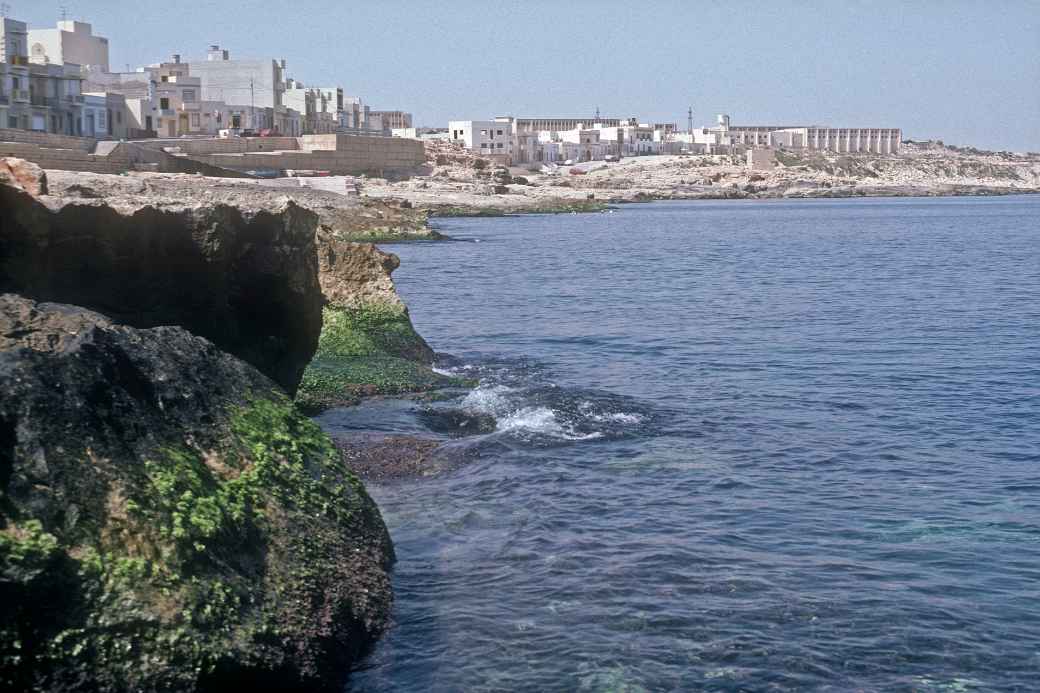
244	278
367	344
169	520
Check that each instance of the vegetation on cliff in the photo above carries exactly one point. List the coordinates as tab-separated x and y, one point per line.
367	344
367	350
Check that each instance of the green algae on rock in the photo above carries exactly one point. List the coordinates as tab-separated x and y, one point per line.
366	351
169	520
367	344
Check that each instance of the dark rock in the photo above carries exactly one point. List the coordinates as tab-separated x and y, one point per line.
457	422
245	279
377	457
168	520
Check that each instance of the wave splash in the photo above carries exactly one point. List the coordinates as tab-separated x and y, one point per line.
527	407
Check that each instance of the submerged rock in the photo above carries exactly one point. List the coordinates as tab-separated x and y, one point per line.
168	520
244	278
457	422
383	458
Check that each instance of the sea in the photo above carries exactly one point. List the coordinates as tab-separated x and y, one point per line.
785	445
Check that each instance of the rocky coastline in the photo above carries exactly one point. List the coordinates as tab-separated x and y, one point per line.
170	519
164	339
458	183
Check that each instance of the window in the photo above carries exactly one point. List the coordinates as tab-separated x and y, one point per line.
119	117
483	132
188	96
164	103
164	78
499	145
194	120
12	121
500	132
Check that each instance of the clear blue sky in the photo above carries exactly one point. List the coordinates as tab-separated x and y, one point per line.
964	72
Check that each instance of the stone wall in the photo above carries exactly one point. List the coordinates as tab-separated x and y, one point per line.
231	145
46	139
340	154
65	159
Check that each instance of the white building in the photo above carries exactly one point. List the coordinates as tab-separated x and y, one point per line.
874	140
253	90
69	42
485	137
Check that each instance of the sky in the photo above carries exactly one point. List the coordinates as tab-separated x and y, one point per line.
967	73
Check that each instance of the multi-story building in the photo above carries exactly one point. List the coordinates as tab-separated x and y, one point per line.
55	99
874	140
562	124
134	92
393	120
253	90
178	97
69	42
320	107
357	115
15	108
486	137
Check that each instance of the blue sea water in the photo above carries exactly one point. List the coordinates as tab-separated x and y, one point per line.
741	446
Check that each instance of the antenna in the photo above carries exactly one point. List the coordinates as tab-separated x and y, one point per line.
64	13
689	119
5	9
597	114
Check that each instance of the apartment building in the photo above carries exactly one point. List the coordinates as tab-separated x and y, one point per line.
15	103
252	89
487	137
70	42
393	120
319	107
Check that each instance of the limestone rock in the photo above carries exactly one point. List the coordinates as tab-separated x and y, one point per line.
246	279
168	520
24	175
356	275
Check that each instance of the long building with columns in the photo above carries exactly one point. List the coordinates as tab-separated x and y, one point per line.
874	140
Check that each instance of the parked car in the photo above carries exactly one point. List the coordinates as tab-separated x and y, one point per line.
247	133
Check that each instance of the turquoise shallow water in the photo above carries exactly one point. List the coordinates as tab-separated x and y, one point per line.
741	446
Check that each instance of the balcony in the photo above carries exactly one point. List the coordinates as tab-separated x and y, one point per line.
167	113
20	95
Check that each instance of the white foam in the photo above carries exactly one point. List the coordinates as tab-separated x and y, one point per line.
618	417
488	400
541	421
586	408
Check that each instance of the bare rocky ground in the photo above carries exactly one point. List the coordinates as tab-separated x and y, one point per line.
456	182
345	216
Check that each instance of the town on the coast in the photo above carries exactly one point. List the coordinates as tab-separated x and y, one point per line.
65	107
